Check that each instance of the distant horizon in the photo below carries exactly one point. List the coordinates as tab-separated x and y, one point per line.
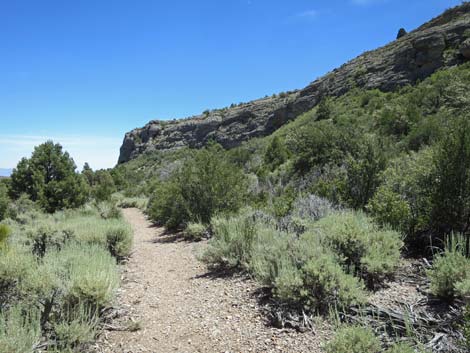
83	74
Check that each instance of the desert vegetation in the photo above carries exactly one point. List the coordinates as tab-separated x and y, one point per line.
323	212
60	244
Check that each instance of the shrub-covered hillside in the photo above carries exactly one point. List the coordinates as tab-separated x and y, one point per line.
321	211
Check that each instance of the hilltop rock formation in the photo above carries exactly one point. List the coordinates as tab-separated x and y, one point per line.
442	42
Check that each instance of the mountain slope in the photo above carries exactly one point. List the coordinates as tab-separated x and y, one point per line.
440	43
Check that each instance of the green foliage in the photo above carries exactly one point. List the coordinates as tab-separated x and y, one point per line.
5	232
195	231
362	247
19	330
276	153
451	196
362	173
92	275
318	144
109	210
449	275
232	241
300	270
4	200
78	326
324	109
354	339
49	178
404	199
103	185
119	241
206	184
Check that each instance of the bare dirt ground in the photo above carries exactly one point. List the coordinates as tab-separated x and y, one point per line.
181	307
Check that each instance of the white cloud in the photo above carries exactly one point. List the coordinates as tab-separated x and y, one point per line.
366	2
307	14
98	151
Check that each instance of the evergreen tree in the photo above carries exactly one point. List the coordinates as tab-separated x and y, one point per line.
49	178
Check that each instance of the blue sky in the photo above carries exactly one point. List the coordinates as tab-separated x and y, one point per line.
84	72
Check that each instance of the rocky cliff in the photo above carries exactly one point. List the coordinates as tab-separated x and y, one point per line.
442	42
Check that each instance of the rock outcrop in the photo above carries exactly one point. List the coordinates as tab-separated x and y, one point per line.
442	42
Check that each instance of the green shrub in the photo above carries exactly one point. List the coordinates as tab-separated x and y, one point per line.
300	271
450	273
206	184
403	201
92	275
451	194
195	231
133	202
4	200
362	247
19	209
5	232
78	326
19	330
108	210
15	263
276	153
119	241
166	205
325	285
362	173
45	238
232	241
354	339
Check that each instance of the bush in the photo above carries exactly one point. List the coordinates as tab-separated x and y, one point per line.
77	327
206	184
232	241
92	275
403	201
133	202
300	271
108	210
5	232
19	330
119	241
276	153
354	339
451	196
320	284
46	237
195	231
360	245
4	201
362	173
15	263
450	273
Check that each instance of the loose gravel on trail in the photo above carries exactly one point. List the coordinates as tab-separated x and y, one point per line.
180	307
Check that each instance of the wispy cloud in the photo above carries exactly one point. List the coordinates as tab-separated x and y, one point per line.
307	14
98	151
367	2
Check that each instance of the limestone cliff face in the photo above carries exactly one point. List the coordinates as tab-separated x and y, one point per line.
442	42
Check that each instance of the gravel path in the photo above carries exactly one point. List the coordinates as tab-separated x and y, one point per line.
182	308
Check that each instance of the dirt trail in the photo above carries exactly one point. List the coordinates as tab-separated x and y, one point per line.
181	308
